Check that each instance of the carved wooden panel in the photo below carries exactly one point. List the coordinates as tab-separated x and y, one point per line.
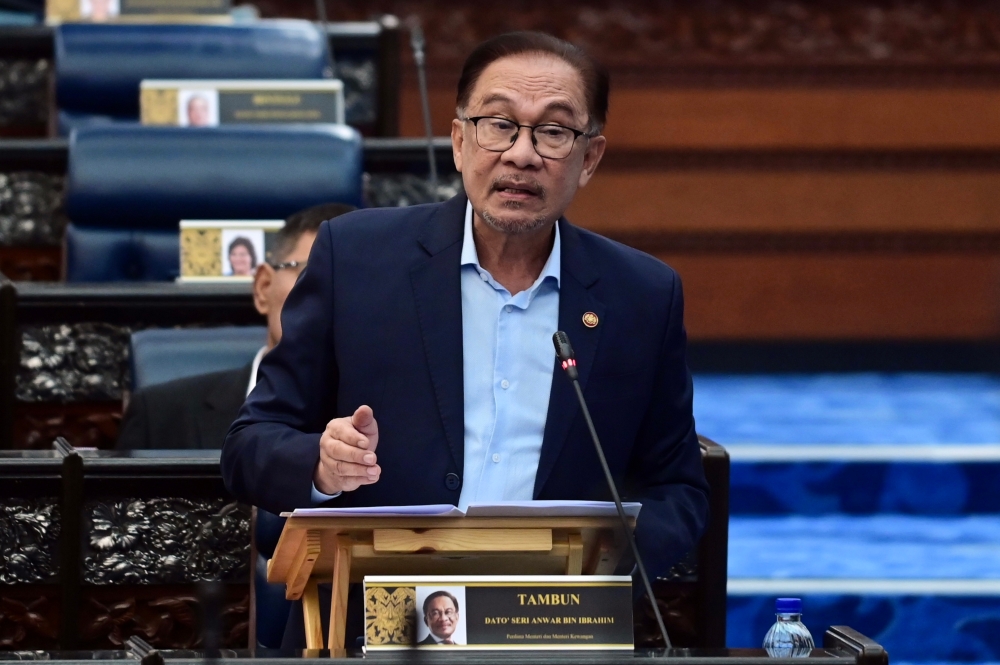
29	617
168	617
41	264
650	33
677	603
84	424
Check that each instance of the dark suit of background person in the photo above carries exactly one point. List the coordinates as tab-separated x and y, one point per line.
195	412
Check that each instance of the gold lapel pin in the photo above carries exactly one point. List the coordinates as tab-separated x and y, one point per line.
590	320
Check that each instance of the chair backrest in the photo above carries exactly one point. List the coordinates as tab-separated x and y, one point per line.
161	355
129	186
99	66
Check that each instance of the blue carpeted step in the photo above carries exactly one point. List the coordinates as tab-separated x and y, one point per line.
925	588
923	444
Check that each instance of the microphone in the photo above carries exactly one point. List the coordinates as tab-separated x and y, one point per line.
417	43
564	351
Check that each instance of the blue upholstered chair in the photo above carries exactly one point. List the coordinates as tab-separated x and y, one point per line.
163	354
99	66
128	187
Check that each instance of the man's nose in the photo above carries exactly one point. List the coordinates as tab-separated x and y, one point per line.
522	151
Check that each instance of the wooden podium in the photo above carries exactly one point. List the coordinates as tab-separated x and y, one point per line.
341	550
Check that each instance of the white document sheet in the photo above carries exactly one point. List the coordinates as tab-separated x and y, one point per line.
502	509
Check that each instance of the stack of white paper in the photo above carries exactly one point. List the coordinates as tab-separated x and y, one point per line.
502	509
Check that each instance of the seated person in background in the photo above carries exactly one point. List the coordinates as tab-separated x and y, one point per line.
196	411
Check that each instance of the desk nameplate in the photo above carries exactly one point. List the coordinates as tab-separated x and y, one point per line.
498	612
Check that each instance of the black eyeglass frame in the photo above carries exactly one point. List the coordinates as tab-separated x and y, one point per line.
288	264
534	142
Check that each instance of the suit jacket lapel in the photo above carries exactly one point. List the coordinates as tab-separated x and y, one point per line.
222	402
437	291
575	299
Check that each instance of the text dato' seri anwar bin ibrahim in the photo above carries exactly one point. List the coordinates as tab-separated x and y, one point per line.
416	364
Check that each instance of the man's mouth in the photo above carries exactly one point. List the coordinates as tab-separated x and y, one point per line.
517	189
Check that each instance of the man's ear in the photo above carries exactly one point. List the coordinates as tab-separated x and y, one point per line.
261	287
592	157
457	139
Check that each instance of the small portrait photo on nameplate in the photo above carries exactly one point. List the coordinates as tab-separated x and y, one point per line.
225	251
198	108
99	11
207	103
520	612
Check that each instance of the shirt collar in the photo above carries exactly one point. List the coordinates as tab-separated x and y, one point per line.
470	257
253	370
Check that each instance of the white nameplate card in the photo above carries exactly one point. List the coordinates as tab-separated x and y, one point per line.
527	612
209	103
225	251
137	11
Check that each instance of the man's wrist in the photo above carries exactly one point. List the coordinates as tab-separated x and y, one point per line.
319	497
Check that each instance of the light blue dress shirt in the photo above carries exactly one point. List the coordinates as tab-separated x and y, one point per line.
508	364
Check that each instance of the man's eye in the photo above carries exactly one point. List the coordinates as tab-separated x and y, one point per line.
552	132
502	125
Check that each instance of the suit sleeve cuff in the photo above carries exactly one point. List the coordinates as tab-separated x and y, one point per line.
318	497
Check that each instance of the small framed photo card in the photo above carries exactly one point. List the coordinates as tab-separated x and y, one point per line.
198	108
440	620
225	251
99	11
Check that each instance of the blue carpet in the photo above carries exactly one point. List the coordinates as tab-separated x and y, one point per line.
877	547
848	408
874	497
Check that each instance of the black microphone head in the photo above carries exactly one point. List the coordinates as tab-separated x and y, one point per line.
564	350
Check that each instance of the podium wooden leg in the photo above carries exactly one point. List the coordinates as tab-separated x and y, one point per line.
574	562
341	581
311	617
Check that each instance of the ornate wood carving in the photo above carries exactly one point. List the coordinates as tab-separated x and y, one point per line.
29	618
679	610
84	424
655	33
42	264
166	617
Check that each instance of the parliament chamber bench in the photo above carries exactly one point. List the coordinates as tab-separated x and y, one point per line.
97	547
33	174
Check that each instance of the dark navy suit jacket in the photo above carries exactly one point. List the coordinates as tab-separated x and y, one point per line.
376	318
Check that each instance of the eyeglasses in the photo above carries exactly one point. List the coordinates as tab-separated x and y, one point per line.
289	264
437	614
550	140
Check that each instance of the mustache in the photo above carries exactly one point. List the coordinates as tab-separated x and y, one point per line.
519	182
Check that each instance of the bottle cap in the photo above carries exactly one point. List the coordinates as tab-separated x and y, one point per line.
788	606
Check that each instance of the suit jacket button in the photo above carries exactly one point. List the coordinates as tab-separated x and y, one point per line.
452	481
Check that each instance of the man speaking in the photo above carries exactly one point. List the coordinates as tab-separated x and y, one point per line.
416	365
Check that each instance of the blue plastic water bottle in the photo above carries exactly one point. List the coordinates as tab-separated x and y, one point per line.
788	637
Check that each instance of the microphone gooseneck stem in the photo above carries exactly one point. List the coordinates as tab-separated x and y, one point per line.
418	43
621	511
331	64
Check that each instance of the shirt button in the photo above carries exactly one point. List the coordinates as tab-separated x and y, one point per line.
485	278
509	308
496	458
505	384
452	481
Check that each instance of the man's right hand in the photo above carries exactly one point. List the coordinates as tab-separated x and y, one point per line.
347	453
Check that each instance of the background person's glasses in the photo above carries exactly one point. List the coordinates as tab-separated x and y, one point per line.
289	264
550	140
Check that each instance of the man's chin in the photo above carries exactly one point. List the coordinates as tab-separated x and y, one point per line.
514	222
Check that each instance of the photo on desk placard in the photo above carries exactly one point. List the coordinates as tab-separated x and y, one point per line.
439	615
242	251
99	11
198	108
